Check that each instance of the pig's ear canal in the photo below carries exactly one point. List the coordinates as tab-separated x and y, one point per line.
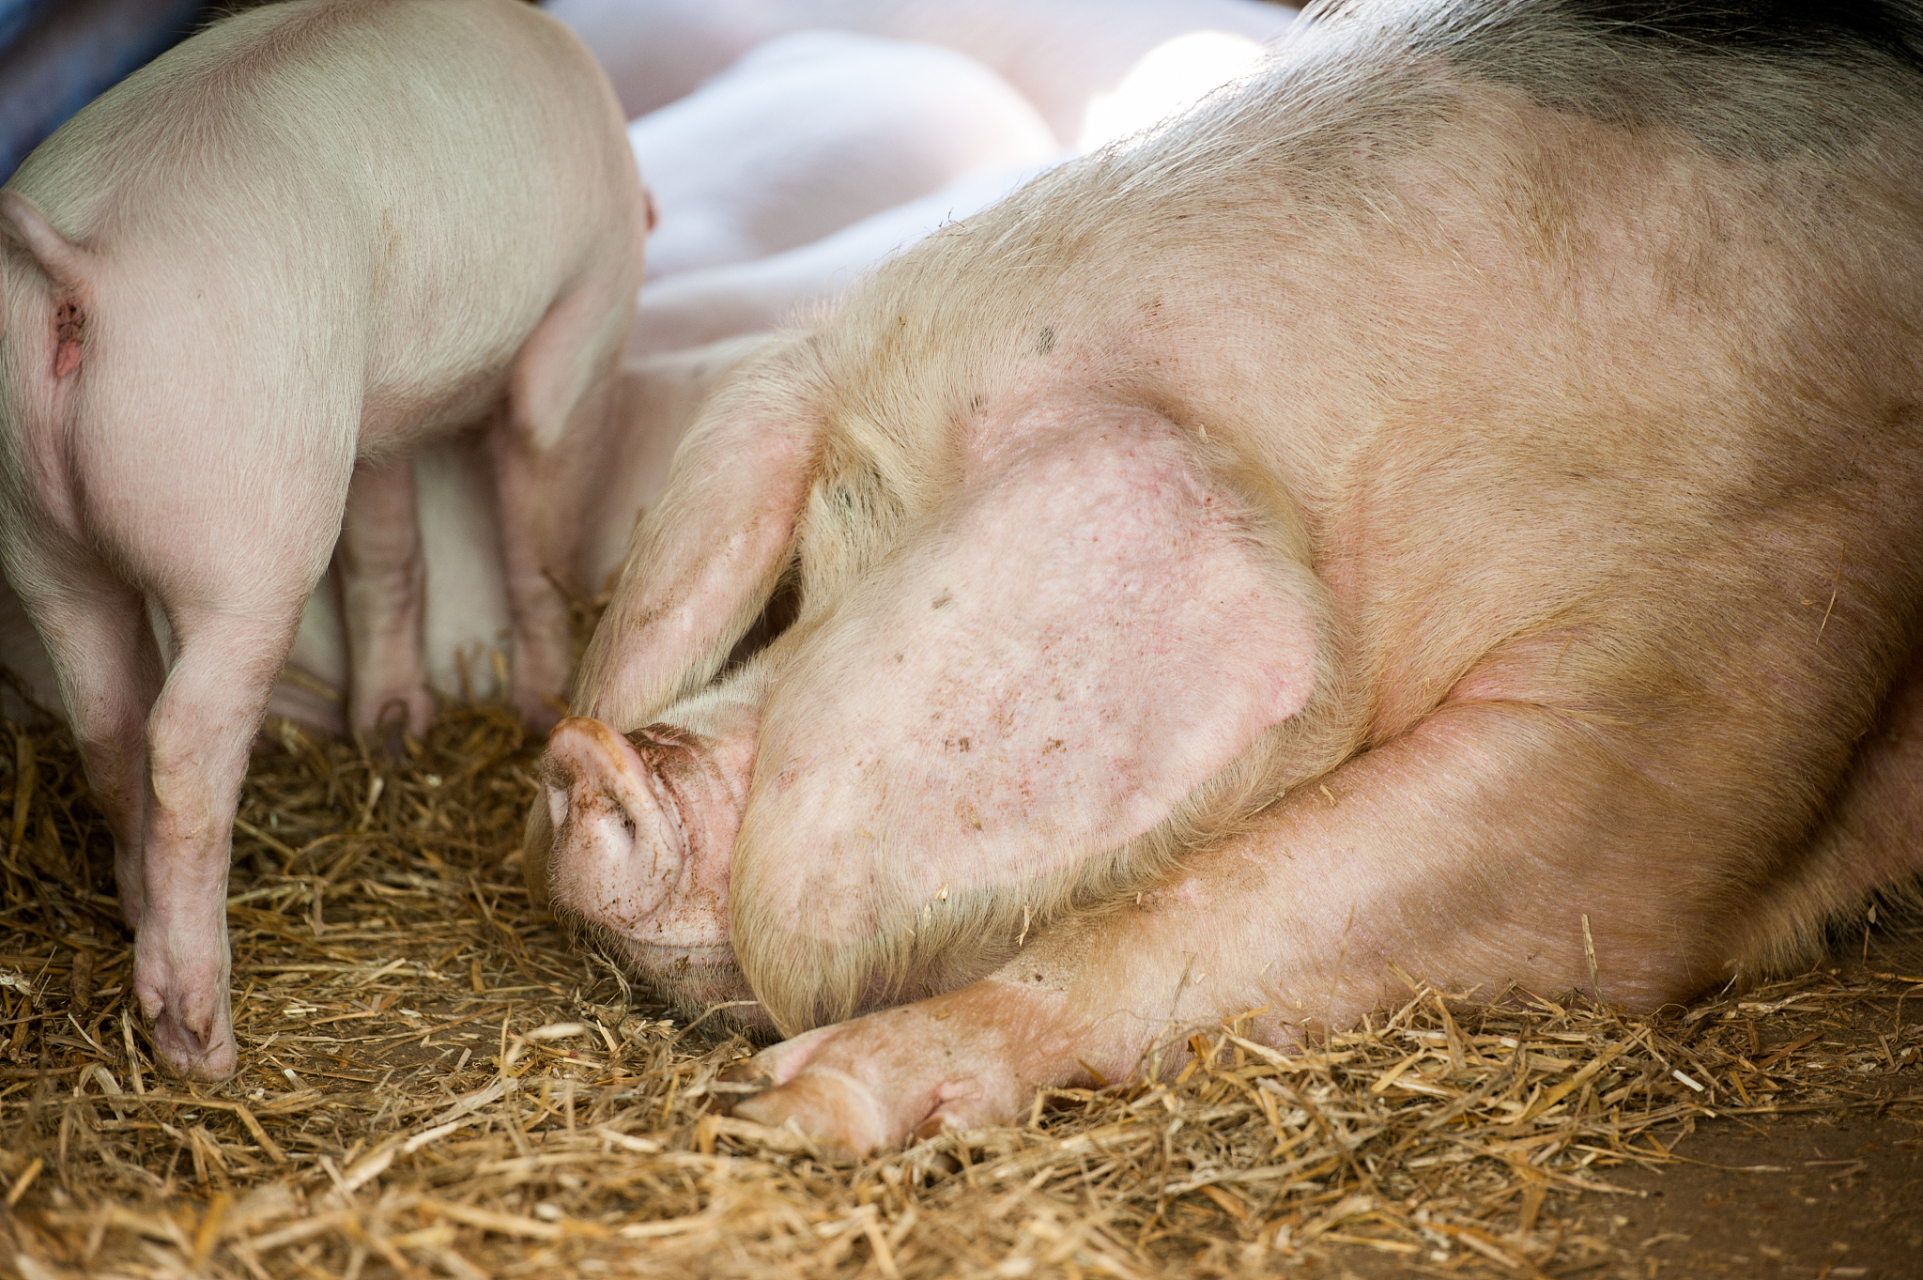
62	263
1087	656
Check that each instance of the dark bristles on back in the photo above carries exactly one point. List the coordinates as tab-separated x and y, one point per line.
1779	27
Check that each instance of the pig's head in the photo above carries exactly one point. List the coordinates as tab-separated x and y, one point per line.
1031	661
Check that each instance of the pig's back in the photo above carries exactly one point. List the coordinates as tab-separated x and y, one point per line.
425	176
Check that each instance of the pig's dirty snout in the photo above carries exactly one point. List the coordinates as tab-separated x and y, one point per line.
643	832
619	843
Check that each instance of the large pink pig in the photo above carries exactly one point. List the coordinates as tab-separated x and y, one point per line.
1457	505
238	290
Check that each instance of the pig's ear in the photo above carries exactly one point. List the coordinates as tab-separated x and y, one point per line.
64	265
707	556
1094	629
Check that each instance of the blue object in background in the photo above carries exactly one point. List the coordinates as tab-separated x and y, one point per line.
56	56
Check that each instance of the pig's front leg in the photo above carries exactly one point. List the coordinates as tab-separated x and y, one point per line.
1468	851
383	594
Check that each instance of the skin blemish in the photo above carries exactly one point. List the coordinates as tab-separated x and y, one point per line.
1045	343
946	597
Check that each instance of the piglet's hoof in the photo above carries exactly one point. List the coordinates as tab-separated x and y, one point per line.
196	1047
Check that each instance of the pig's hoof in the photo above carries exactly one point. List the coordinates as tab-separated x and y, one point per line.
397	721
750	1072
206	1052
829	1106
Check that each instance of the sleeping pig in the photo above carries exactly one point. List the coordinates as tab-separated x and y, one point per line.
238	291
1456	505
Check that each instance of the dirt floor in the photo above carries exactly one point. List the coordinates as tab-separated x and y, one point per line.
435	1083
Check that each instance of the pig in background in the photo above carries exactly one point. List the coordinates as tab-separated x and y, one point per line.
1061	54
735	171
801	284
1457	504
812	131
239	291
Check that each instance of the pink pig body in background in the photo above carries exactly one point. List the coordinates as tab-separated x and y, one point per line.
812	131
1457	504
240	290
1062	54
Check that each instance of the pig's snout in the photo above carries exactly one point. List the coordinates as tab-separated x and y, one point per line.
643	833
619	844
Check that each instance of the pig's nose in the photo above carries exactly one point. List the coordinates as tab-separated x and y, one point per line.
618	846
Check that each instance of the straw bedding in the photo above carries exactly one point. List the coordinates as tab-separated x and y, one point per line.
434	1083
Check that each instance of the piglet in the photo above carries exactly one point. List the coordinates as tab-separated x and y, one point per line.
466	616
239	290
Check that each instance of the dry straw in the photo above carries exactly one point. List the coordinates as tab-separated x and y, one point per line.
434	1084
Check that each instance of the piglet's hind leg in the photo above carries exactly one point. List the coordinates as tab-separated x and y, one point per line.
383	595
560	408
198	734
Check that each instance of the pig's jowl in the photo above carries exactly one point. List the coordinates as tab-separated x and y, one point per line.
1456	501
238	291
